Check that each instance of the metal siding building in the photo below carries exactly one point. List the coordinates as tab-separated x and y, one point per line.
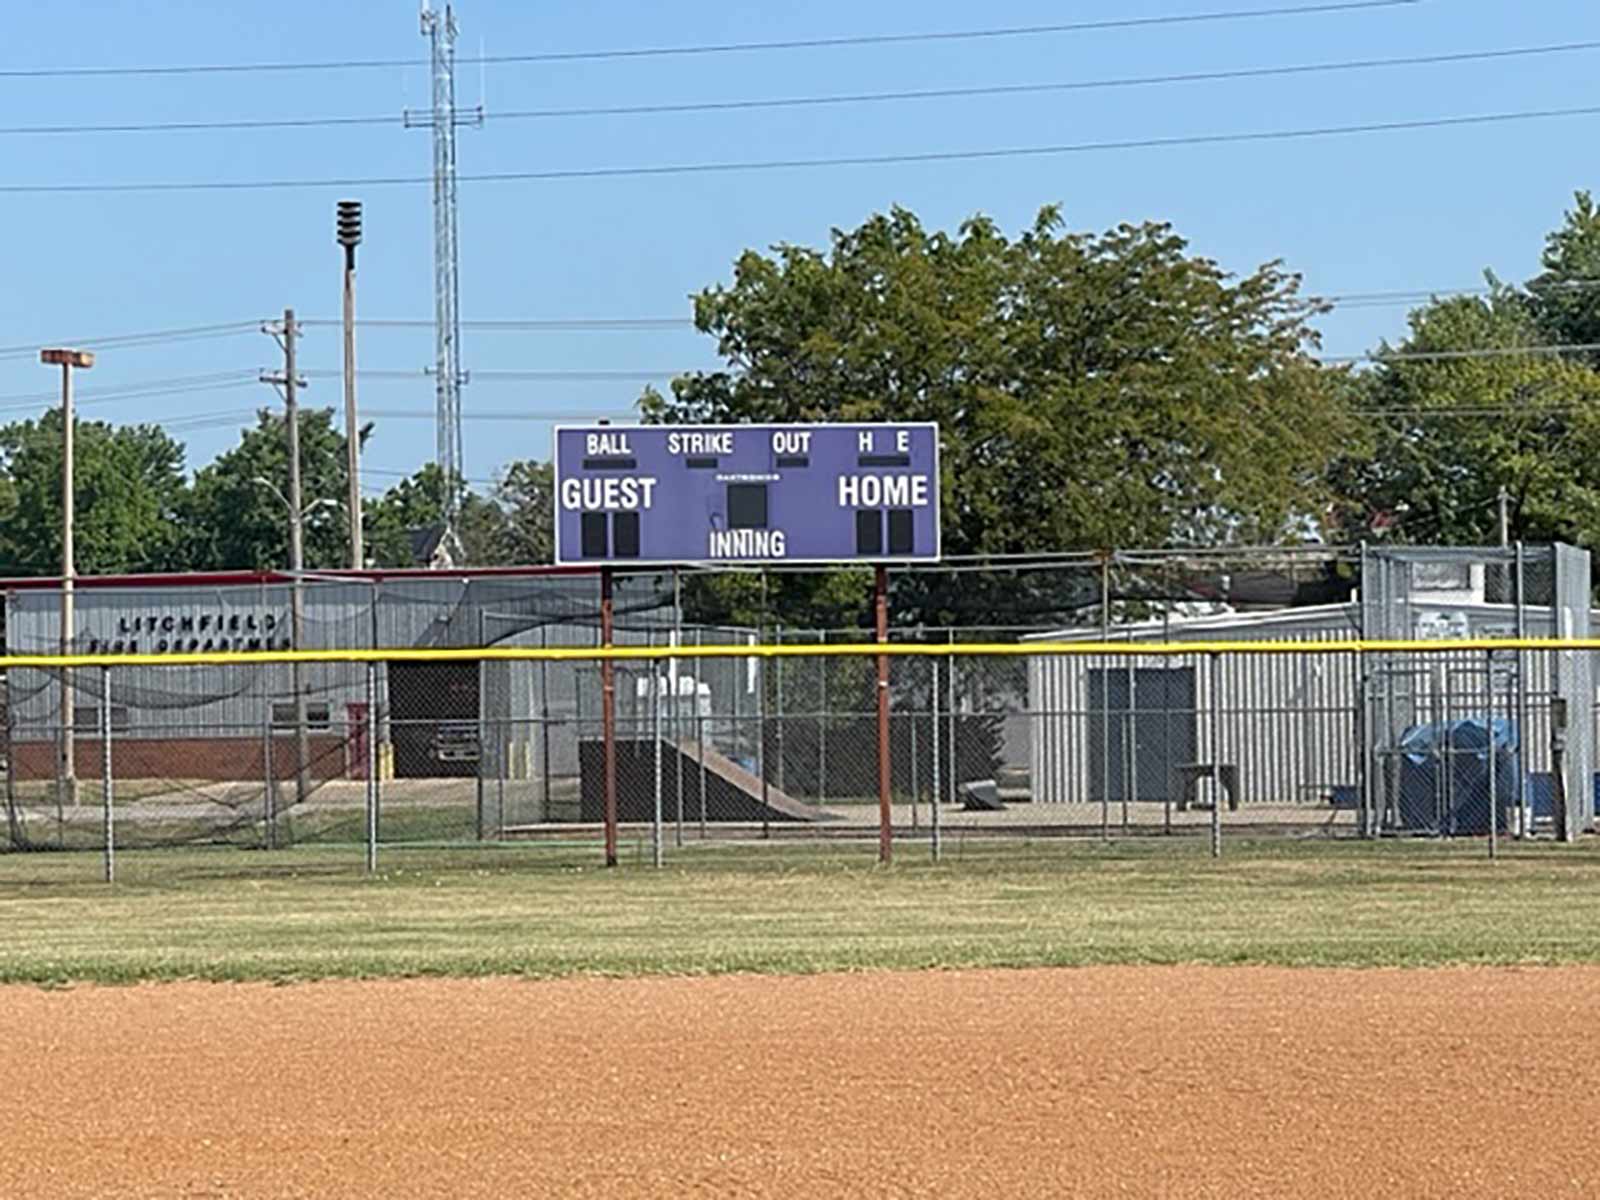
1289	723
212	721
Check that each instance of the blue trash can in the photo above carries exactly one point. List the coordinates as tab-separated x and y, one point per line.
1445	775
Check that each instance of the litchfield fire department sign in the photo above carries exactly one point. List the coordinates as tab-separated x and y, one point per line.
664	494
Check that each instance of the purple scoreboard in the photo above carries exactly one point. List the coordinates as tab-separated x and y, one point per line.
654	495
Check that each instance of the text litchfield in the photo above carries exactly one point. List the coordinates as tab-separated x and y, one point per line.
883	491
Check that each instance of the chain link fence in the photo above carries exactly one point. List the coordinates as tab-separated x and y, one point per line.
1117	722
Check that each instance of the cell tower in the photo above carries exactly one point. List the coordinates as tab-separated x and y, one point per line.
440	30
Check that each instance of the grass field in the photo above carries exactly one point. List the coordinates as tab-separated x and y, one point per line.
549	911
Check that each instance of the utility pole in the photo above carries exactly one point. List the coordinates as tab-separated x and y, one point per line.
67	771
291	382
349	231
1505	517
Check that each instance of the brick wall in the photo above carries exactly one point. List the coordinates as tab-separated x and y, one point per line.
210	758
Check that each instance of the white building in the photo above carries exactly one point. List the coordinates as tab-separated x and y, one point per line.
1303	728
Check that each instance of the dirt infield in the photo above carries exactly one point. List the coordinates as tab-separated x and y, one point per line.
1174	1082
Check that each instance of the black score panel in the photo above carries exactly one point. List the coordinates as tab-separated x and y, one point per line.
747	506
625	535
869	531
595	542
901	531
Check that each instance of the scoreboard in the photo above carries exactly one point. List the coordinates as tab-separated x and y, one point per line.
653	495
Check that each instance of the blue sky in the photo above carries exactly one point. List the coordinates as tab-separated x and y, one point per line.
1428	209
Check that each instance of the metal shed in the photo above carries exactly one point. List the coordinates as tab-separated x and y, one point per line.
1295	729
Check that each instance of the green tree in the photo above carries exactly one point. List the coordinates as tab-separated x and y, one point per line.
1454	431
235	522
1092	390
129	489
525	496
1565	296
417	504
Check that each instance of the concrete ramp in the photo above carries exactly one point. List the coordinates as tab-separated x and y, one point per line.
724	790
782	805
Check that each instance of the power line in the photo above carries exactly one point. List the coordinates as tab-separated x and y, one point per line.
128	340
402	414
392	473
865	160
573	325
1394	356
848	98
828	43
523	376
196	422
1421	296
147	389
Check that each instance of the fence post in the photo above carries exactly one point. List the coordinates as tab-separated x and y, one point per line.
700	731
372	767
762	765
1362	749
655	725
675	677
105	774
885	781
608	719
1493	764
1104	668
915	798
544	724
934	814
502	765
269	805
777	699
483	698
1215	704
823	664
1130	762
950	706
1519	701
13	820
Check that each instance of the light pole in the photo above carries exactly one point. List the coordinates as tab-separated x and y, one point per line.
349	236
297	620
67	769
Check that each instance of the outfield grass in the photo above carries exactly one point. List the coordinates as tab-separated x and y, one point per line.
549	911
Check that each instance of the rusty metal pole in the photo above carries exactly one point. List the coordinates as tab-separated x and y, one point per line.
885	813
608	718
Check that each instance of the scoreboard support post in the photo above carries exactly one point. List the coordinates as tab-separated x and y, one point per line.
608	718
885	779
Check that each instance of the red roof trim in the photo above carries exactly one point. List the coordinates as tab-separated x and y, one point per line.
243	578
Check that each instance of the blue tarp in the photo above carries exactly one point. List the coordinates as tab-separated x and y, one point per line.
1444	774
